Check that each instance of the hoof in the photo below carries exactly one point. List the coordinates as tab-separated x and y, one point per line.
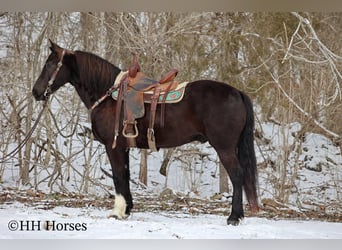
234	221
119	211
117	217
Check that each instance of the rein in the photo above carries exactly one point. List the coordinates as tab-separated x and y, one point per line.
27	137
47	93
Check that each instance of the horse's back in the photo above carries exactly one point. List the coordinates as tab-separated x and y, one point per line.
214	91
208	96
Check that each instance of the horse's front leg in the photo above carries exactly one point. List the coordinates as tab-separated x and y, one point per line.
119	160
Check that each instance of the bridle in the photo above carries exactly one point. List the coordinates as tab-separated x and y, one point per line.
48	91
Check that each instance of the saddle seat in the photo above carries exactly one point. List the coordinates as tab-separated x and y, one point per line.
139	82
135	85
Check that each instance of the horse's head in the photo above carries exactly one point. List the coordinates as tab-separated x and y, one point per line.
56	72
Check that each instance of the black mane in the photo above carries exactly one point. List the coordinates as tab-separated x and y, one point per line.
96	74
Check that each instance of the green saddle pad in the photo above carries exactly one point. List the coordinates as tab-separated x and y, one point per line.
173	96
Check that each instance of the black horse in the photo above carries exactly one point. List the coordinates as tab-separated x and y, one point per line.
210	111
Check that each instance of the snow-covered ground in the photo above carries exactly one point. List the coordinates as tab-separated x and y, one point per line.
314	179
95	224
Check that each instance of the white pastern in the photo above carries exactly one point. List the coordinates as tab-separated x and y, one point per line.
119	208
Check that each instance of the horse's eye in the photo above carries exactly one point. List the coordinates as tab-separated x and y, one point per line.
49	65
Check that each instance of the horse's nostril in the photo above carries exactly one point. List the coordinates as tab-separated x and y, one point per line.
36	94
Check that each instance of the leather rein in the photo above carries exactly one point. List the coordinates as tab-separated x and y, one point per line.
47	94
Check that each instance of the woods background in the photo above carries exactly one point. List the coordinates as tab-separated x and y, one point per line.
288	63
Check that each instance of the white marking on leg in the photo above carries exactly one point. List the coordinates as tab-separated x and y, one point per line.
119	208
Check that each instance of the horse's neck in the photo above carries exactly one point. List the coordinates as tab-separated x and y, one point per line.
85	97
88	94
91	88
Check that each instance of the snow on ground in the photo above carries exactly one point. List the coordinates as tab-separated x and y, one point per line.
94	224
316	184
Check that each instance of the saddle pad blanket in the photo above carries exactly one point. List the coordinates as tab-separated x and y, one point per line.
173	96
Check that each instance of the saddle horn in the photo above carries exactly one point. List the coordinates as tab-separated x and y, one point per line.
134	68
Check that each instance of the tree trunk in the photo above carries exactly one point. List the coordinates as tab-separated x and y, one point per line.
143	167
167	158
223	179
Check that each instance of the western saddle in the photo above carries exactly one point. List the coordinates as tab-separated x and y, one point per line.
131	91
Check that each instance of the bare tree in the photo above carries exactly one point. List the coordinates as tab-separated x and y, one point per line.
289	63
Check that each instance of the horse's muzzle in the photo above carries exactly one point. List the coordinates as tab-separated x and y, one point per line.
38	95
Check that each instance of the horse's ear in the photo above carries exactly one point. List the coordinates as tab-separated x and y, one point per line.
51	42
56	48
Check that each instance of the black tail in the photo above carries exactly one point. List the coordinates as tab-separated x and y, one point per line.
246	155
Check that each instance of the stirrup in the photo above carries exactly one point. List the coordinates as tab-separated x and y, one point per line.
151	139
130	135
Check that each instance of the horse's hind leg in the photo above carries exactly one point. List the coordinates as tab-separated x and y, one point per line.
231	164
119	160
